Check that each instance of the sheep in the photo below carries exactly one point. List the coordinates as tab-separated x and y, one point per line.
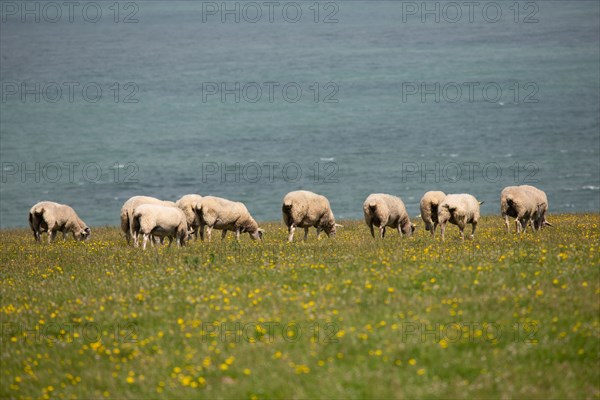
48	216
542	202
459	209
304	209
516	202
127	212
159	221
429	209
226	215
186	204
527	204
385	210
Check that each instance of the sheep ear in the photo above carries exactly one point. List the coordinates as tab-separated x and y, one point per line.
261	230
548	224
481	202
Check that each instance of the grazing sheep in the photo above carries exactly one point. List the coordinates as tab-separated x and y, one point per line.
187	204
130	205
429	209
542	203
527	204
159	221
47	216
459	209
304	209
516	202
384	210
226	215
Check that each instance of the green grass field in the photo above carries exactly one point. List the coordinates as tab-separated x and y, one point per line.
350	317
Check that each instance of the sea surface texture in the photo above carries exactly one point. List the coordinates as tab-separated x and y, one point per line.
250	100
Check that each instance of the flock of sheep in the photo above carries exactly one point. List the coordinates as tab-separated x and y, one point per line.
155	219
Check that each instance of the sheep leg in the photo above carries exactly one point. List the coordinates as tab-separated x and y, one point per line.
372	230
306	234
291	230
237	235
382	231
524	223
201	231
461	226
224	233
133	234
435	224
517	225
474	224
146	236
506	223
51	235
209	232
170	240
64	235
442	230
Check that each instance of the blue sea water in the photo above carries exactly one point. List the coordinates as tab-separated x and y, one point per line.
359	97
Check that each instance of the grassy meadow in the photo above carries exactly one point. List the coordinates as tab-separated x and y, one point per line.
501	316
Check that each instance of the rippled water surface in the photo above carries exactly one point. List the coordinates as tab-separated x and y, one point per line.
373	100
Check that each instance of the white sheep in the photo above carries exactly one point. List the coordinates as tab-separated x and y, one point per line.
542	200
187	204
429	209
304	209
384	210
130	205
459	209
226	215
159	221
51	217
516	202
527	204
